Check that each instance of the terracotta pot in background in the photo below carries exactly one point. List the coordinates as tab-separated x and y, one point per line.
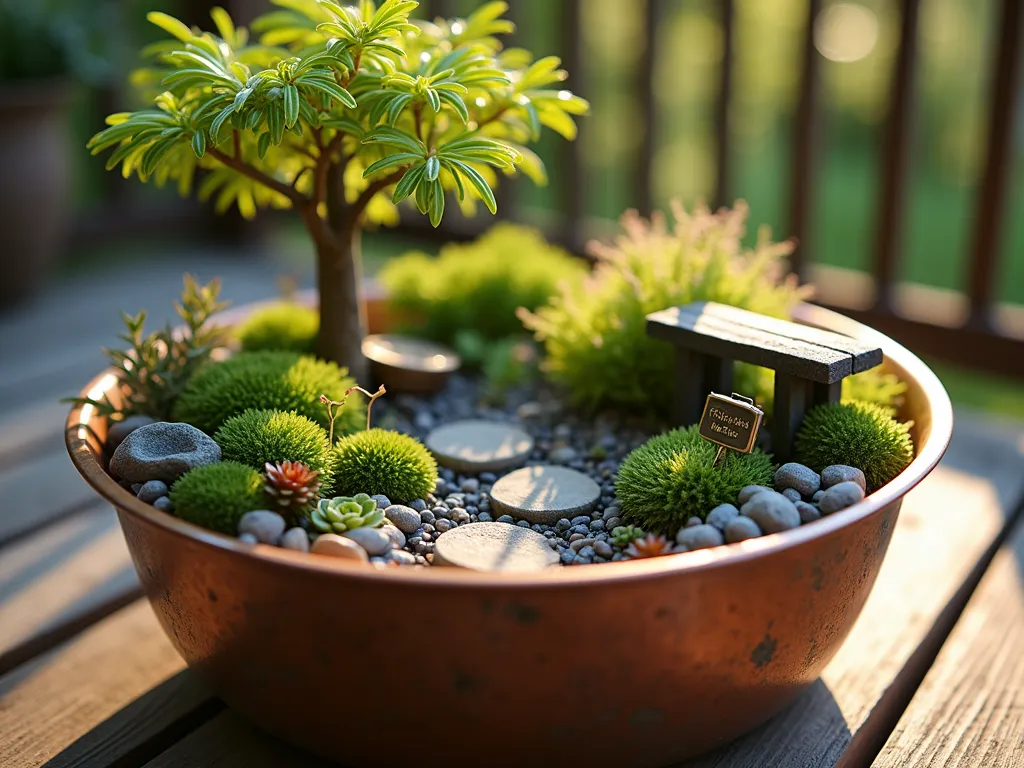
35	184
629	664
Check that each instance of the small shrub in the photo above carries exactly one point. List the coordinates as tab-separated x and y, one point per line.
478	285
216	496
671	478
345	513
281	381
594	330
257	437
862	435
377	461
284	327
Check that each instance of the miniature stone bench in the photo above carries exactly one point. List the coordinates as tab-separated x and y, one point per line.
809	363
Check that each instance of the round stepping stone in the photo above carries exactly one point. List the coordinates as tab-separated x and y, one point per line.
494	547
407	364
475	446
544	494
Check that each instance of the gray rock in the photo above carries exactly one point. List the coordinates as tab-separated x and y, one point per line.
802	479
265	525
119	430
164	504
494	547
772	512
163	451
740	529
470	485
693	522
816	498
613	523
443	525
792	494
610	512
427	517
587	552
840	473
484	517
418	504
136	487
808	512
151	491
567	557
460	516
562	454
383	502
400	556
750	492
721	515
406	519
699	537
603	549
333	545
248	538
373	540
840	496
580	520
295	538
395	534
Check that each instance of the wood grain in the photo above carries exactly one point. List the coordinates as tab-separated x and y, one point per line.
923	571
50	703
969	711
39	492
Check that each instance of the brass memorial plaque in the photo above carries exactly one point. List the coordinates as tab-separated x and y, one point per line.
731	422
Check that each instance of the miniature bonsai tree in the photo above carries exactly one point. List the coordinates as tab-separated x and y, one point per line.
341	112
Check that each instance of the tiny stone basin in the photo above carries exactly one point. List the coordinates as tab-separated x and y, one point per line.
636	663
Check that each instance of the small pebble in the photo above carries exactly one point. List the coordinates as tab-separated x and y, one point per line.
700	537
803	479
808	512
383	502
333	545
840	496
406	519
460	516
484	517
151	491
741	528
603	549
580	520
693	522
563	454
721	515
470	485
597	525
610	512
587	552
567	557
564	524
248	538
396	535
576	537
443	525
427	517
749	492
440	512
523	523
612	523
373	540
577	545
295	538
164	504
418	504
401	557
840	473
265	525
816	498
506	519
136	487
792	494
772	511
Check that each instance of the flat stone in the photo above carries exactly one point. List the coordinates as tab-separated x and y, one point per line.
333	545
475	446
545	494
494	547
162	451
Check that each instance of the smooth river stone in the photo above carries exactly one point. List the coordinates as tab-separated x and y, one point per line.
475	446
494	547
544	494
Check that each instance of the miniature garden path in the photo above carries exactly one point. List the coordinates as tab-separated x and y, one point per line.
932	673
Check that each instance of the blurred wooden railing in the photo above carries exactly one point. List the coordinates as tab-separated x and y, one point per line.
967	328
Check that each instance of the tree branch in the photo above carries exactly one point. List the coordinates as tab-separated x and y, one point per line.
376	186
257	175
323	164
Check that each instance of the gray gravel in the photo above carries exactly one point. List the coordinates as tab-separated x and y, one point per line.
802	479
151	491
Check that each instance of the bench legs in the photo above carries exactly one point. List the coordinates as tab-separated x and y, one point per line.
696	376
793	398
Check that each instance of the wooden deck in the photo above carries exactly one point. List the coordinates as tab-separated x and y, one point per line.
932	674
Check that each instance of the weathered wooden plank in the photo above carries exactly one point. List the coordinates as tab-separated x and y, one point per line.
969	711
40	491
713	336
933	554
59	580
51	702
31	430
228	741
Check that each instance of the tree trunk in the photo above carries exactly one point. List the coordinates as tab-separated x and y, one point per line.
339	277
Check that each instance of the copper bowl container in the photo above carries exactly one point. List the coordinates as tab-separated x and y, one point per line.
661	659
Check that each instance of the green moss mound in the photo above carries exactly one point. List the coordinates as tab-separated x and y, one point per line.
216	496
478	285
862	435
282	327
594	330
670	479
380	461
280	381
256	437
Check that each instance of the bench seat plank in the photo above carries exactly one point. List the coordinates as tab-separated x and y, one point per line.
969	710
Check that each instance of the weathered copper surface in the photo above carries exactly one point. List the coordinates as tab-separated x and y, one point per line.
634	663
